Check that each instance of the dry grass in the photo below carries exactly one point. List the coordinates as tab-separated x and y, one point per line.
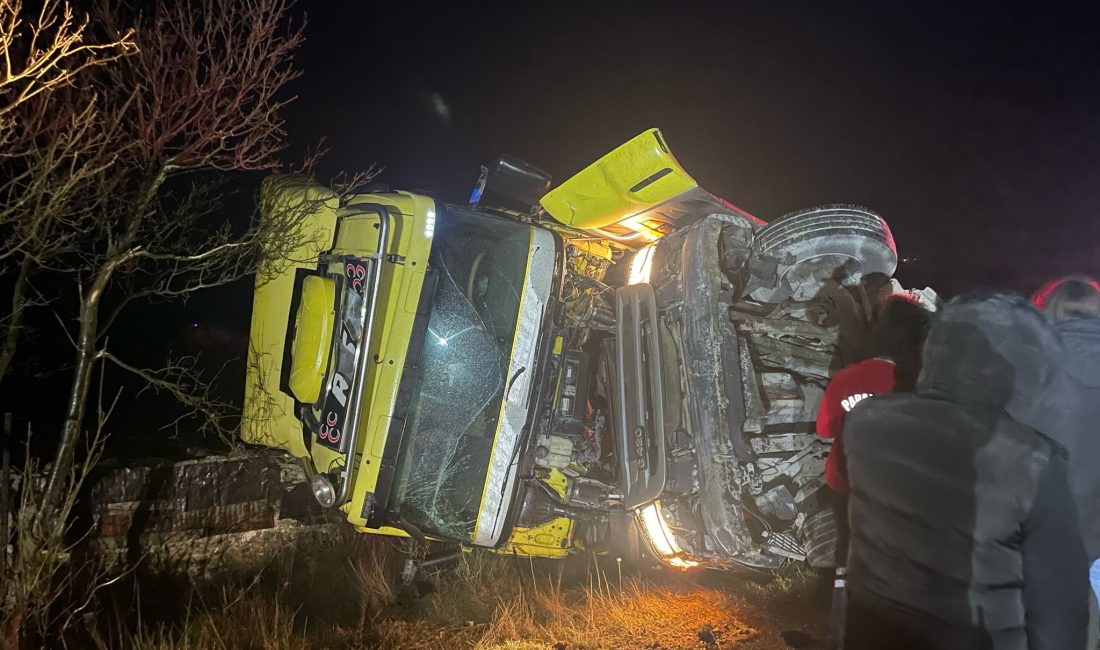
245	623
484	602
640	615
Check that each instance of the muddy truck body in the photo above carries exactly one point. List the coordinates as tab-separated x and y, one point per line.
622	359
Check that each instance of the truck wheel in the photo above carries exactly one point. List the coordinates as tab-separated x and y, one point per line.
812	245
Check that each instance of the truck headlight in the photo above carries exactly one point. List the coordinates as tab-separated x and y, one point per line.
323	490
661	538
641	266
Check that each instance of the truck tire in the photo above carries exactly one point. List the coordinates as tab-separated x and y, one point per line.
819	537
815	244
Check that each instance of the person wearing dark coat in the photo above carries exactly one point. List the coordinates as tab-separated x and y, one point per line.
1071	414
964	529
1070	411
898	338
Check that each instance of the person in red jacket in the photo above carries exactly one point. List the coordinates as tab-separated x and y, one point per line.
899	336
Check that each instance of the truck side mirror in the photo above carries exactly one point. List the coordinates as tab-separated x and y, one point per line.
514	180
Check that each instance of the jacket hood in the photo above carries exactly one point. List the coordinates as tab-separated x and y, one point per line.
992	349
1081	350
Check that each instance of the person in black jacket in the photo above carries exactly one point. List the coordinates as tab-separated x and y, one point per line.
1070	410
964	530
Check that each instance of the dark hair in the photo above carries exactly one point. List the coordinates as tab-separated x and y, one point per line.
1074	296
899	336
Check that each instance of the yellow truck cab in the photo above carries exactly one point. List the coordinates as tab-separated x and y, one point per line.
450	301
543	369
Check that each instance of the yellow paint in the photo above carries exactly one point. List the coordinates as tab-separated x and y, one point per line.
269	417
588	257
309	352
393	329
551	540
634	178
594	247
557	481
384	530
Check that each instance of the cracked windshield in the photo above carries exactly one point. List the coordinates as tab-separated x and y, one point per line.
460	384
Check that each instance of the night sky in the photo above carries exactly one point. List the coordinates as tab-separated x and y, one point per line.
973	130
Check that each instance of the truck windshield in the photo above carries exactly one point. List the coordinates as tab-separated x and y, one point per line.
455	410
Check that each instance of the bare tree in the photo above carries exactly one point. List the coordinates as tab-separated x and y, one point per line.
46	52
117	188
39	598
51	142
35	584
47	198
202	95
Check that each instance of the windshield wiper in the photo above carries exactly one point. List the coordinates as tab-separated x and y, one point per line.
512	381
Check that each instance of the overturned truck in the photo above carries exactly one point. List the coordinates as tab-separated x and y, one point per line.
622	360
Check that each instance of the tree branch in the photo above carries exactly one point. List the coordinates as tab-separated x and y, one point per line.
183	382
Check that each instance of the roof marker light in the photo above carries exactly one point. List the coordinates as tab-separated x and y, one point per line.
429	224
